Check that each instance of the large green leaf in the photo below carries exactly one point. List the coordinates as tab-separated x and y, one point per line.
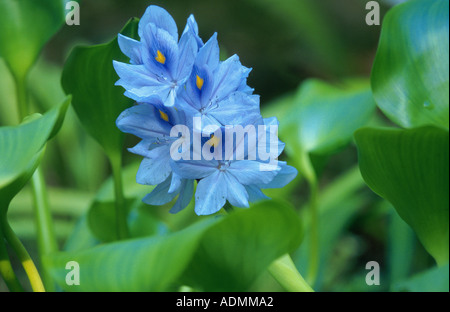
90	77
432	280
324	117
25	26
226	252
233	253
410	169
20	144
410	77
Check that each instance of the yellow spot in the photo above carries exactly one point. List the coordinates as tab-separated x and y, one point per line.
160	58
199	82
164	116
214	141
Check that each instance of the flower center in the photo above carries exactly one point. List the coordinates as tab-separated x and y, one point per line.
160	58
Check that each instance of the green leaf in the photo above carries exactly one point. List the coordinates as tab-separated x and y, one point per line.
226	252
147	264
90	77
25	26
234	252
20	145
324	117
433	280
410	77
410	169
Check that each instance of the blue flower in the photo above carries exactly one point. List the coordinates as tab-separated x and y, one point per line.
153	122
173	82
159	63
233	178
217	91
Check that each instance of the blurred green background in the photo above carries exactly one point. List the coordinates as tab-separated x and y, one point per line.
285	42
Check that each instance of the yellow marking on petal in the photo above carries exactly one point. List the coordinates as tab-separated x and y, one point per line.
164	116
160	58
214	141
199	82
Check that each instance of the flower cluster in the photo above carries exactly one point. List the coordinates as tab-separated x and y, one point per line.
198	119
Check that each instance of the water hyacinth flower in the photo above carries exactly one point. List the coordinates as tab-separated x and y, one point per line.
153	122
183	91
159	63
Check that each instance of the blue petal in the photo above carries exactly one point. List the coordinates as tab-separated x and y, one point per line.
130	48
236	193
143	120
238	109
228	77
249	172
192	27
185	197
156	169
270	139
209	54
211	194
188	50
157	39
194	169
160	195
283	178
140	84
160	18
255	194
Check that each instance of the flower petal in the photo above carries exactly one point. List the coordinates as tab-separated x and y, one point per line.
211	194
209	54
161	18
229	76
143	121
160	194
186	192
192	27
249	172
238	109
194	169
156	169
236	193
283	177
131	48
255	194
188	51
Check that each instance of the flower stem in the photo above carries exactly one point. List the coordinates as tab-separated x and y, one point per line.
24	257
6	270
121	213
45	228
314	248
285	272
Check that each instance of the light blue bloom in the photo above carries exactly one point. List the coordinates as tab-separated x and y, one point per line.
217	91
159	63
173	82
152	122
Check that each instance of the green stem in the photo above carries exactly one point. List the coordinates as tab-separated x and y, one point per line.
24	257
45	229
121	213
6	270
285	272
22	97
313	204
